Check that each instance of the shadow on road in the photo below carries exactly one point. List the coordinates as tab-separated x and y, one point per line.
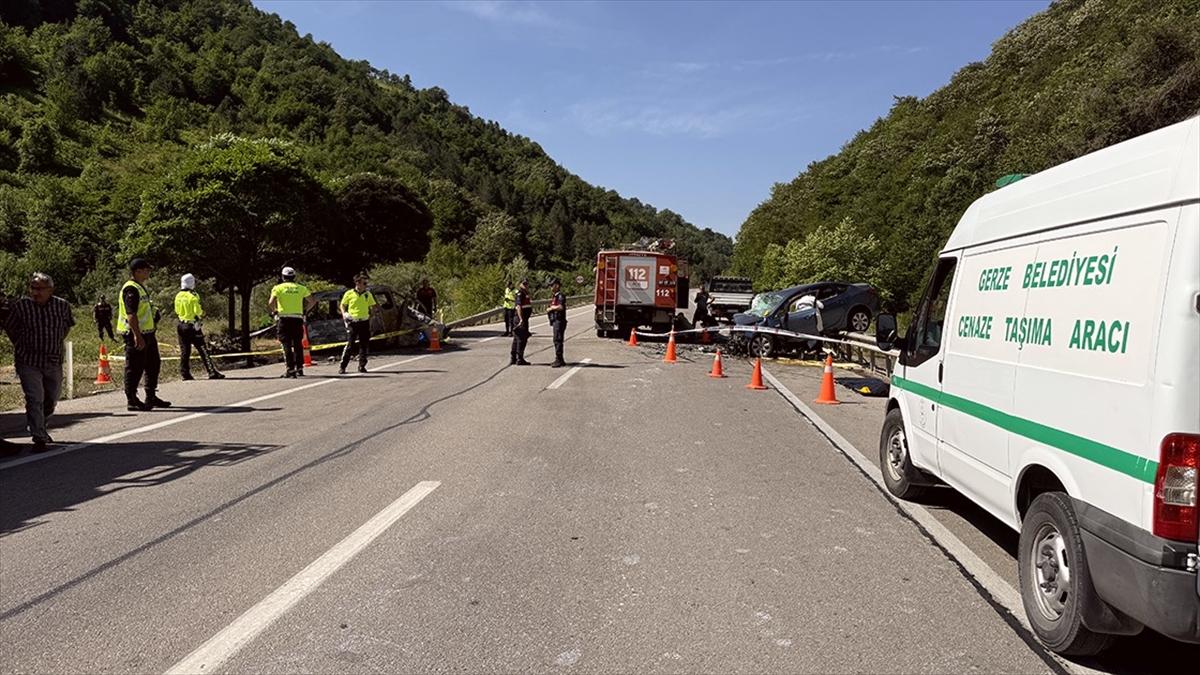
29	492
12	424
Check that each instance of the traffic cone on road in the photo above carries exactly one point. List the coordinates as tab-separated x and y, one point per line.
435	344
756	378
307	349
828	396
103	374
633	337
717	370
670	356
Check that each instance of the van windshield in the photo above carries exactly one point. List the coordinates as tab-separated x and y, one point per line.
765	303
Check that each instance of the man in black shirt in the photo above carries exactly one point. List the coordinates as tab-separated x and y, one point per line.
102	314
521	325
557	313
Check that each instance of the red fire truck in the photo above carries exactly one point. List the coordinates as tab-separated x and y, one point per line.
636	288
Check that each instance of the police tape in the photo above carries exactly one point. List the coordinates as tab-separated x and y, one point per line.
757	330
268	352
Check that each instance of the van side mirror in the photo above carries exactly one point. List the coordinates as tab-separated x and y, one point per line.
885	332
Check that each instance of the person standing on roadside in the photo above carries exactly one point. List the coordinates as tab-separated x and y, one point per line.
510	307
521	326
701	318
190	313
427	298
289	302
102	315
357	305
557	313
136	322
37	326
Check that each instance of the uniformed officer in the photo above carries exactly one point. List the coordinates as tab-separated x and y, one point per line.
289	302
510	307
557	313
189	330
136	322
358	304
521	325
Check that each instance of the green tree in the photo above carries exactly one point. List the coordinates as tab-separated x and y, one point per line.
38	146
236	210
380	221
496	239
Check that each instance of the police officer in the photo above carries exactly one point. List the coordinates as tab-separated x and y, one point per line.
510	307
521	325
358	304
557	313
289	302
190	313
136	321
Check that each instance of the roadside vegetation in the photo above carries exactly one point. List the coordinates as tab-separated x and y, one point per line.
1078	77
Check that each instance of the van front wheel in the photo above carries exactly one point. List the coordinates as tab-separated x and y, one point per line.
1054	576
899	475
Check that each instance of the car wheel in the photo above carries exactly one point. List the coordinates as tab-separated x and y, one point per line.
1054	577
860	320
762	345
899	475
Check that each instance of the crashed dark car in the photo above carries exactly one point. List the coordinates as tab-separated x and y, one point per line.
823	308
325	324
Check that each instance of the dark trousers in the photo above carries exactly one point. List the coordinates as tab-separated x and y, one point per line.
560	329
358	338
190	336
291	336
139	362
520	339
41	386
103	327
510	317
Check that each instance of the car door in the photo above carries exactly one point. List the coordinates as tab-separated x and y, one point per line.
921	365
801	317
835	301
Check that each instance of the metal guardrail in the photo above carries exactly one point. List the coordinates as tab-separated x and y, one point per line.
497	313
861	348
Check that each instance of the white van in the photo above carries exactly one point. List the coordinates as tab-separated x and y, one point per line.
1052	375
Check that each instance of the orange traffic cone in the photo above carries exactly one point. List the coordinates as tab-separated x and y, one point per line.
756	378
704	338
307	349
633	337
717	370
435	344
103	375
670	356
828	396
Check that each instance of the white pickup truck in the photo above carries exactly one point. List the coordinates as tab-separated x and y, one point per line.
728	296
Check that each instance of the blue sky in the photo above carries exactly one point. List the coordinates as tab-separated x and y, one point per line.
694	107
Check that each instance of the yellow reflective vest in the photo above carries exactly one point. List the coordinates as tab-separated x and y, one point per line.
145	309
510	298
187	306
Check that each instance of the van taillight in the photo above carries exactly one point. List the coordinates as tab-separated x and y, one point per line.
1175	512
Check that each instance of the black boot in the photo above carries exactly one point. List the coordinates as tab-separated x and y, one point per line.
153	401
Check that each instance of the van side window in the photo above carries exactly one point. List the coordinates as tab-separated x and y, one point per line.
386	300
926	334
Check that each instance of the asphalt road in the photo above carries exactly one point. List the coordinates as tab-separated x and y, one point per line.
449	512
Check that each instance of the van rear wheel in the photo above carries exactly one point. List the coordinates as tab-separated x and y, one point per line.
1054	577
899	475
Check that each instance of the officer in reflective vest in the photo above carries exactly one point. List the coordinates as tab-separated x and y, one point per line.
136	321
510	307
557	313
289	303
357	305
189	330
521	325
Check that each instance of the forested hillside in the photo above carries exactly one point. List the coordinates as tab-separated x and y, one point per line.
112	112
1080	76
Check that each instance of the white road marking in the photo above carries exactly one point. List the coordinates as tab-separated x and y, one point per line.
999	588
567	375
229	641
185	418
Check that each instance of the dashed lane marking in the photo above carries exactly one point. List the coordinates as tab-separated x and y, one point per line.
567	375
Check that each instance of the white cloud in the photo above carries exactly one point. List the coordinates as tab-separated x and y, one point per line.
682	118
506	12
